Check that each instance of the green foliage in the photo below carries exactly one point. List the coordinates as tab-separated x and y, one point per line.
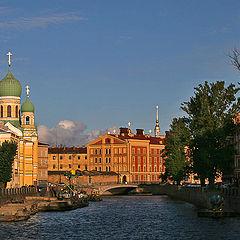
7	154
176	162
210	120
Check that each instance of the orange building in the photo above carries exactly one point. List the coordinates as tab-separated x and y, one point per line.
42	164
135	158
64	159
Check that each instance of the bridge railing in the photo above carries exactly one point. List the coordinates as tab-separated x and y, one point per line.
17	191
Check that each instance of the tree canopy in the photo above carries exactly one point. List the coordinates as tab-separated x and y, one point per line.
7	154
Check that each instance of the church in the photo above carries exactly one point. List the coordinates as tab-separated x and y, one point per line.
17	124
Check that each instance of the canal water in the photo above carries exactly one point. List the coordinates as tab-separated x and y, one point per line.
124	217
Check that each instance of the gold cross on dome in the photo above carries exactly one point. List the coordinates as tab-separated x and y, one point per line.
27	90
9	58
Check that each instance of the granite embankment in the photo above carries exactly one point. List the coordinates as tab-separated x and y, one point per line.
18	204
198	196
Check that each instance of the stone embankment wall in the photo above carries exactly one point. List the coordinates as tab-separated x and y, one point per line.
198	196
16	194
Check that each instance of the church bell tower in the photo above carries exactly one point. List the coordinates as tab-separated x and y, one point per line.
157	127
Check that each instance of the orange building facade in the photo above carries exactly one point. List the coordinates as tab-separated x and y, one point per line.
135	158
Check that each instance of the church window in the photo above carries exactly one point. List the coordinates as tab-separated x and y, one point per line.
27	120
16	112
1	111
9	111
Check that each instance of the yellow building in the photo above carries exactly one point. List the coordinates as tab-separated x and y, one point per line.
18	124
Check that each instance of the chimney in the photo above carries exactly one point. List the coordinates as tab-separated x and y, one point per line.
123	131
140	132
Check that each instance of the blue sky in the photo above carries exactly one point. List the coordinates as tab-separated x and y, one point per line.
104	63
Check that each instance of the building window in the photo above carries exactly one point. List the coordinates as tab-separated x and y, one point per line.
150	169
70	157
106	169
133	150
106	151
16	111
109	169
106	160
95	160
144	178
86	157
133	178
61	157
1	111
95	168
155	169
78	157
100	169
45	153
155	159
61	166
95	151
100	160
54	166
139	168
41	162
144	150
78	165
138	150
144	159
54	157
133	159
70	165
27	120
133	168
109	160
86	167
144	169
9	111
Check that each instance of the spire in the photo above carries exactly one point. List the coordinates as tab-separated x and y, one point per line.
157	127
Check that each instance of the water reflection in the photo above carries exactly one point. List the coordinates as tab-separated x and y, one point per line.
124	217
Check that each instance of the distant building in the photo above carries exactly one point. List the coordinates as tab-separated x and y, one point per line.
135	158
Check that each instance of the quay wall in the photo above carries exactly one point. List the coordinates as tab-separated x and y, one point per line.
16	194
198	196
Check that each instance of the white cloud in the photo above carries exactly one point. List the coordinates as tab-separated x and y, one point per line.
70	133
25	23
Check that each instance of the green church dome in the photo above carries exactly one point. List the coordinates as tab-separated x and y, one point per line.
10	86
27	106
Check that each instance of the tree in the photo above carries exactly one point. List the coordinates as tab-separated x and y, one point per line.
234	56
210	120
176	162
7	154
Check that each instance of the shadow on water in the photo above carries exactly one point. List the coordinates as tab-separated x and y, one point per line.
124	217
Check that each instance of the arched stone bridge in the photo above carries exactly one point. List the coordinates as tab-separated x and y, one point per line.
116	188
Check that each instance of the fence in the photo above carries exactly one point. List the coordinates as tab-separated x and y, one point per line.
17	191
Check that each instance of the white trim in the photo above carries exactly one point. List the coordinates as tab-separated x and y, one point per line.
10	97
14	129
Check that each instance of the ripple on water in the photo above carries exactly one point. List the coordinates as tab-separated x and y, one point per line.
124	217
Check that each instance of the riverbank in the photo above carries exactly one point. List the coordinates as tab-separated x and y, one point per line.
200	197
22	210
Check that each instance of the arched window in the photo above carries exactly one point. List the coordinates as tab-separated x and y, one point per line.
9	110
1	111
16	112
27	120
